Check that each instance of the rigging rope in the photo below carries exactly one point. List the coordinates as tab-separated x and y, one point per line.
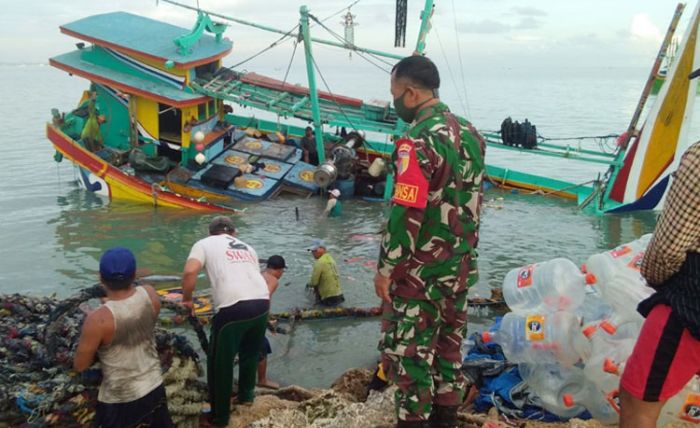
461	64
449	69
353	46
318	70
285	36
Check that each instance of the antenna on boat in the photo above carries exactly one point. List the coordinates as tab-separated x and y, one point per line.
349	25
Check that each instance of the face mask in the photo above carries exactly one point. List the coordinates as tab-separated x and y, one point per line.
406	114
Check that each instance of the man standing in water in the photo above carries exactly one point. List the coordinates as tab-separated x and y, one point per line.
427	257
120	332
241	302
325	279
667	353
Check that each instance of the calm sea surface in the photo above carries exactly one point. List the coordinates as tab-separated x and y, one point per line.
53	233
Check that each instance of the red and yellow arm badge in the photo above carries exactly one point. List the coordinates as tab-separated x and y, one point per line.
411	185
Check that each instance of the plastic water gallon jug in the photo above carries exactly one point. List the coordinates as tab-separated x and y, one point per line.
554	285
594	308
557	388
538	338
626	258
684	407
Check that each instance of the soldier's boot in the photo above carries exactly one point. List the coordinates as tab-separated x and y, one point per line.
443	417
411	424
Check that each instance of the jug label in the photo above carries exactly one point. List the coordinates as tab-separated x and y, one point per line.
620	251
525	276
534	328
613	397
691	409
636	262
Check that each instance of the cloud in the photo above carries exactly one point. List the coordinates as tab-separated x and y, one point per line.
528	11
486	26
643	28
529	23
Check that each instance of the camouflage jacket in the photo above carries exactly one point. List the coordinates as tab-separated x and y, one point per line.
429	245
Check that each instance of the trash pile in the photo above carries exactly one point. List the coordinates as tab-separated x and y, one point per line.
571	331
38	337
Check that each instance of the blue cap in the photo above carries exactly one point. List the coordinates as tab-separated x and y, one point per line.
117	264
318	243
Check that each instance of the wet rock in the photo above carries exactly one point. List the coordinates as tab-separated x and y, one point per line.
353	383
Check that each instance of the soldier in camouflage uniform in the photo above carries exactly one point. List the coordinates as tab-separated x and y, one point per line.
427	259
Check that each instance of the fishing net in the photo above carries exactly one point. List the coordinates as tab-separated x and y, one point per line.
38	338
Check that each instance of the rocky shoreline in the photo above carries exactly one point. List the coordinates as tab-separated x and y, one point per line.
345	404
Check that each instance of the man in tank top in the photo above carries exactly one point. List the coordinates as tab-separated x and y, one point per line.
241	301
120	332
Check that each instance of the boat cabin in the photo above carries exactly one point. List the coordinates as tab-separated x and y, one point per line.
140	70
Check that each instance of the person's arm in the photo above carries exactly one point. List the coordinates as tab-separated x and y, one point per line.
90	340
189	280
316	274
678	228
329	205
155	299
272	283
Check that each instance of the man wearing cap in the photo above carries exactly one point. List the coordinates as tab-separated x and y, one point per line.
334	208
120	332
325	279
241	302
272	274
427	257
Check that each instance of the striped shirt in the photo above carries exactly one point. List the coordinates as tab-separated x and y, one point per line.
672	261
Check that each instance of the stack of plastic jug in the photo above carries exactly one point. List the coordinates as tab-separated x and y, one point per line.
566	392
553	338
572	331
554	285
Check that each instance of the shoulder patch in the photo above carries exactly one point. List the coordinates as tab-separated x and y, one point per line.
411	185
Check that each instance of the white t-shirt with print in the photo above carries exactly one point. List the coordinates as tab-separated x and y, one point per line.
232	268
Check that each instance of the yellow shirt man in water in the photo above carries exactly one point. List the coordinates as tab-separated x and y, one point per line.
325	279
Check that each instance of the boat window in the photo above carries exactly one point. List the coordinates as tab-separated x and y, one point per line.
205	71
202	111
212	108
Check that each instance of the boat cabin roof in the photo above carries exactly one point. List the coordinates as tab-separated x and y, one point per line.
127	79
134	34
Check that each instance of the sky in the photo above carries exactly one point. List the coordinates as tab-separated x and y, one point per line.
488	33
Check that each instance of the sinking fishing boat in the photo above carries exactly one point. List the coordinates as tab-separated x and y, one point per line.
155	126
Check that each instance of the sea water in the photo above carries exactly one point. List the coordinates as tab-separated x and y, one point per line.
53	232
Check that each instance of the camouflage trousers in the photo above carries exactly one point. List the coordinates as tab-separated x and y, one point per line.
421	352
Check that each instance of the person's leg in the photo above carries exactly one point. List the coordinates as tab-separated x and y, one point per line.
636	413
223	347
265	350
664	359
252	336
446	370
407	347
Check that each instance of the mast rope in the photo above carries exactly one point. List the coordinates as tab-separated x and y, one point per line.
328	88
285	36
353	47
461	64
449	70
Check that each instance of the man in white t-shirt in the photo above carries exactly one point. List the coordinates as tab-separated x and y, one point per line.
241	301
